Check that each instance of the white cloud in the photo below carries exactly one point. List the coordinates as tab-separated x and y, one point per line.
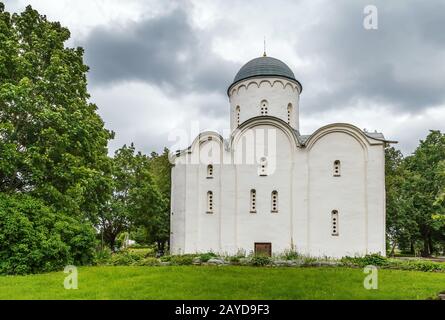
406	128
145	115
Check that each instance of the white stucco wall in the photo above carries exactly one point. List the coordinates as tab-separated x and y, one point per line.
307	193
278	92
301	170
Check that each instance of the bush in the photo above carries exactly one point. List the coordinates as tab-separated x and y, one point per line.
291	255
370	259
204	257
103	256
309	261
145	252
34	238
234	260
126	258
422	265
149	261
182	260
165	258
259	260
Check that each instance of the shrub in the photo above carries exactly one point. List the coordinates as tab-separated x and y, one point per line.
259	260
166	258
126	258
182	260
234	260
149	261
103	256
34	238
370	259
204	257
291	255
145	252
309	261
422	265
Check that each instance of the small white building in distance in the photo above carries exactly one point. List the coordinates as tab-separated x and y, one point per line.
267	188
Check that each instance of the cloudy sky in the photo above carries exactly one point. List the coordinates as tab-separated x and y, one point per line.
158	67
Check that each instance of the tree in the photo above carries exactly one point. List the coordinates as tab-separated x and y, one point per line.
415	196
53	142
136	200
427	187
414	193
35	238
397	221
159	229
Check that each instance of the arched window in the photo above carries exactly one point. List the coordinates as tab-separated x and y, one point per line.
237	115
289	112
253	201
263	107
334	222
209	202
274	199
337	168
262	170
209	171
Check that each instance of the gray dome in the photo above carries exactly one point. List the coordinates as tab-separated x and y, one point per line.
264	66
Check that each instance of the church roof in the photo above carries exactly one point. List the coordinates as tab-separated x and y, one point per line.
263	66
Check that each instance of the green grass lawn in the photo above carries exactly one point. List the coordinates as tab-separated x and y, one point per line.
227	282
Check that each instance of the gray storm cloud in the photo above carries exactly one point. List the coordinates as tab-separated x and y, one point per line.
174	65
401	64
165	51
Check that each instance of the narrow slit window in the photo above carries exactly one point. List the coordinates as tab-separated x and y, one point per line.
263	108
337	168
262	169
274	199
289	113
253	201
334	222
209	202
238	112
209	171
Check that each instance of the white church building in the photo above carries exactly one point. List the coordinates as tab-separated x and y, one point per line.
268	188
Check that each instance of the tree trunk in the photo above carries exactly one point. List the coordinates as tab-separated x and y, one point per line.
430	245
425	251
393	249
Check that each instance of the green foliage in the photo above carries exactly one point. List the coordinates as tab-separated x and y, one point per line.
182	260
127	258
166	258
371	259
260	260
424	266
103	256
148	261
145	251
416	265
415	186
158	226
34	238
53	147
291	255
377	260
136	201
204	257
235	260
52	141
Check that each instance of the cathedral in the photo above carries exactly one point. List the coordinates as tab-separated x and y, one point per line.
267	188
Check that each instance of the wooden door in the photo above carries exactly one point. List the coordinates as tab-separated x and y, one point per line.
263	248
